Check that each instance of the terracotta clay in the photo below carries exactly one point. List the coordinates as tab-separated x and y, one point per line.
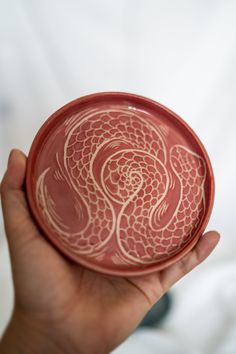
119	183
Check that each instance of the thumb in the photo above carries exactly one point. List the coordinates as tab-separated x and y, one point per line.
19	225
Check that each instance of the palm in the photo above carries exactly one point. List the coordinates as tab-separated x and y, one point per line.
58	293
68	300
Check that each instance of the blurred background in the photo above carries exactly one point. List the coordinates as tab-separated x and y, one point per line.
181	53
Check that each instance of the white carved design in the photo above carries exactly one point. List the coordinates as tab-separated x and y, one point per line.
123	178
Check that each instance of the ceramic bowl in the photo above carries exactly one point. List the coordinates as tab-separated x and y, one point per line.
119	184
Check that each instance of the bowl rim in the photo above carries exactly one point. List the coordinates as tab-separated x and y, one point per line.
138	99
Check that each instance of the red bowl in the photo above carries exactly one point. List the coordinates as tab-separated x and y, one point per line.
119	184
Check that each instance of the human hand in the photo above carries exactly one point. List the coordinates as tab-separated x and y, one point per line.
61	307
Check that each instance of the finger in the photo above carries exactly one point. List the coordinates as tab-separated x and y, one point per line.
18	222
201	251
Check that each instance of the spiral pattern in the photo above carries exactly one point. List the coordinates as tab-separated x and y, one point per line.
122	176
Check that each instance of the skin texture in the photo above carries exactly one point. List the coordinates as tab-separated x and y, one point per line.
61	307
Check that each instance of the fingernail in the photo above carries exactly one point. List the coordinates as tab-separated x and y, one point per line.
9	158
13	151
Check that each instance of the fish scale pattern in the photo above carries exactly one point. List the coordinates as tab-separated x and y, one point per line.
118	164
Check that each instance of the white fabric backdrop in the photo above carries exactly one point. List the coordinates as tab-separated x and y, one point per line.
180	53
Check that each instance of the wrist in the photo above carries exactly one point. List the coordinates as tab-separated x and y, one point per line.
26	336
22	336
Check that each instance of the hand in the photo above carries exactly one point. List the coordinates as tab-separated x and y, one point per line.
61	307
